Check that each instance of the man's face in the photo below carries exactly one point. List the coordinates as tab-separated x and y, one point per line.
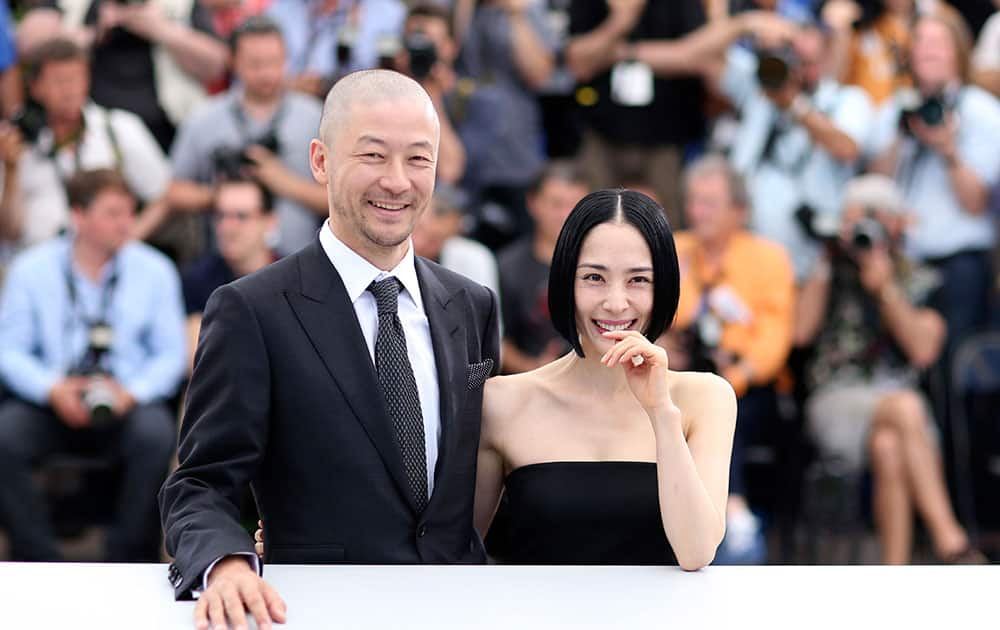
259	63
809	48
106	225
709	208
379	167
933	55
553	202
241	225
62	88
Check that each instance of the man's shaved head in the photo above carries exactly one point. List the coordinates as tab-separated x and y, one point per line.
367	87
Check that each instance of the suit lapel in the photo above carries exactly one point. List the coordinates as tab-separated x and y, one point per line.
445	318
325	312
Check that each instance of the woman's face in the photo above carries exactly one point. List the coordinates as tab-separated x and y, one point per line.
613	285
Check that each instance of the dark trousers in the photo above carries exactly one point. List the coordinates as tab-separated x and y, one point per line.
143	442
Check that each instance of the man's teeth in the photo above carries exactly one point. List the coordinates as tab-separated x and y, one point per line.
388	206
613	327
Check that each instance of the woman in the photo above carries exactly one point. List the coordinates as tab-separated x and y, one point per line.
607	456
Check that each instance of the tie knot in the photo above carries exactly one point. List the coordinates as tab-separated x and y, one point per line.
386	294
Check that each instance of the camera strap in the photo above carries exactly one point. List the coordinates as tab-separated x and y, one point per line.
244	125
106	295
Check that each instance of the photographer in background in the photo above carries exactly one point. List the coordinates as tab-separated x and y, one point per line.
91	345
734	319
799	137
62	133
257	129
939	143
428	54
864	311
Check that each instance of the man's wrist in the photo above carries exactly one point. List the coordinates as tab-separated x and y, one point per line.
801	106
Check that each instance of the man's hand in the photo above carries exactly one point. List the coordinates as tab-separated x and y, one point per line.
875	267
767	27
65	398
11	145
233	589
625	14
783	96
268	169
124	401
146	19
841	14
938	138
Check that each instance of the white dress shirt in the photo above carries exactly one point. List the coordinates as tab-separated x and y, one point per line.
357	273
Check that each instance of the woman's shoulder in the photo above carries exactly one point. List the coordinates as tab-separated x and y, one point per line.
703	397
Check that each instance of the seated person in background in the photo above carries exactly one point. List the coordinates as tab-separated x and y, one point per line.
65	133
734	318
986	56
91	345
257	129
606	455
243	219
863	311
529	339
437	236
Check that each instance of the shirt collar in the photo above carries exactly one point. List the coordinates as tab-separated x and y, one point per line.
357	273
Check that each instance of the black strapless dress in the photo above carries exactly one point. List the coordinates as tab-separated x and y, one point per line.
583	513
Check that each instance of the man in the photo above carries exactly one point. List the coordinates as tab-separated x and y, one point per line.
256	129
734	318
530	340
799	138
864	311
438	237
243	220
91	345
356	427
69	134
149	58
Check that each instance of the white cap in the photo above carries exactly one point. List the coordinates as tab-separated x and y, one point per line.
877	192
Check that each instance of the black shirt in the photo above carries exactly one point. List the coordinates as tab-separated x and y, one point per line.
205	275
524	290
676	115
121	71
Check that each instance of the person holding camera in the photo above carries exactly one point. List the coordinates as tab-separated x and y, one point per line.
799	138
734	319
257	129
91	345
61	133
939	143
864	312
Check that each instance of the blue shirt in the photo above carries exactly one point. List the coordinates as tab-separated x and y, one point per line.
311	41
42	338
8	55
790	170
942	227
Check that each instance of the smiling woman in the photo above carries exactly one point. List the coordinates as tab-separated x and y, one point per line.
607	456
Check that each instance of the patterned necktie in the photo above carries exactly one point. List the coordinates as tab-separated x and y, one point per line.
399	387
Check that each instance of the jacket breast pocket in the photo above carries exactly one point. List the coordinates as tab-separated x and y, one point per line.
305	554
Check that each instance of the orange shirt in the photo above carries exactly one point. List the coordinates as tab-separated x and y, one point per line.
755	287
876	57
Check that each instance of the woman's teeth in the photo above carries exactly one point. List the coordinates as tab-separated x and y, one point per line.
614	327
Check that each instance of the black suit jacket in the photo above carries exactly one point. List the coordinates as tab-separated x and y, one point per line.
284	397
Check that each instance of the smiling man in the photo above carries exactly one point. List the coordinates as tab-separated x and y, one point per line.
343	383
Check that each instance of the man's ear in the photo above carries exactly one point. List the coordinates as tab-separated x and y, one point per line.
318	160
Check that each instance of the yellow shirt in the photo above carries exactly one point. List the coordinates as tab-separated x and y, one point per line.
753	292
876	57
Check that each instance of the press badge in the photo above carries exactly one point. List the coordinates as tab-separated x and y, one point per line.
632	84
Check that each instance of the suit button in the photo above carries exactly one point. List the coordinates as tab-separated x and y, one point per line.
421	531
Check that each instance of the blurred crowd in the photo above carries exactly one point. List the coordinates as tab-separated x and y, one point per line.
830	169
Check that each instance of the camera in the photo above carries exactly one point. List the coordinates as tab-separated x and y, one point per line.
229	162
422	53
775	66
703	338
345	46
867	234
98	397
930	111
30	120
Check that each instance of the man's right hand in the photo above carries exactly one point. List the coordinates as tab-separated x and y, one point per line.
11	145
233	589
65	397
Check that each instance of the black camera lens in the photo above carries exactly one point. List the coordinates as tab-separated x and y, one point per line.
774	67
867	234
29	120
422	53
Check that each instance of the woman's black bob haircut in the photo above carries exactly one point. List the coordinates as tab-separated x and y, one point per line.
614	206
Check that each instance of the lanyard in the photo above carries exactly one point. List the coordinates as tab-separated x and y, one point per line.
106	295
244	126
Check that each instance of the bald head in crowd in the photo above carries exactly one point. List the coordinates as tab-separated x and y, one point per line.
377	156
